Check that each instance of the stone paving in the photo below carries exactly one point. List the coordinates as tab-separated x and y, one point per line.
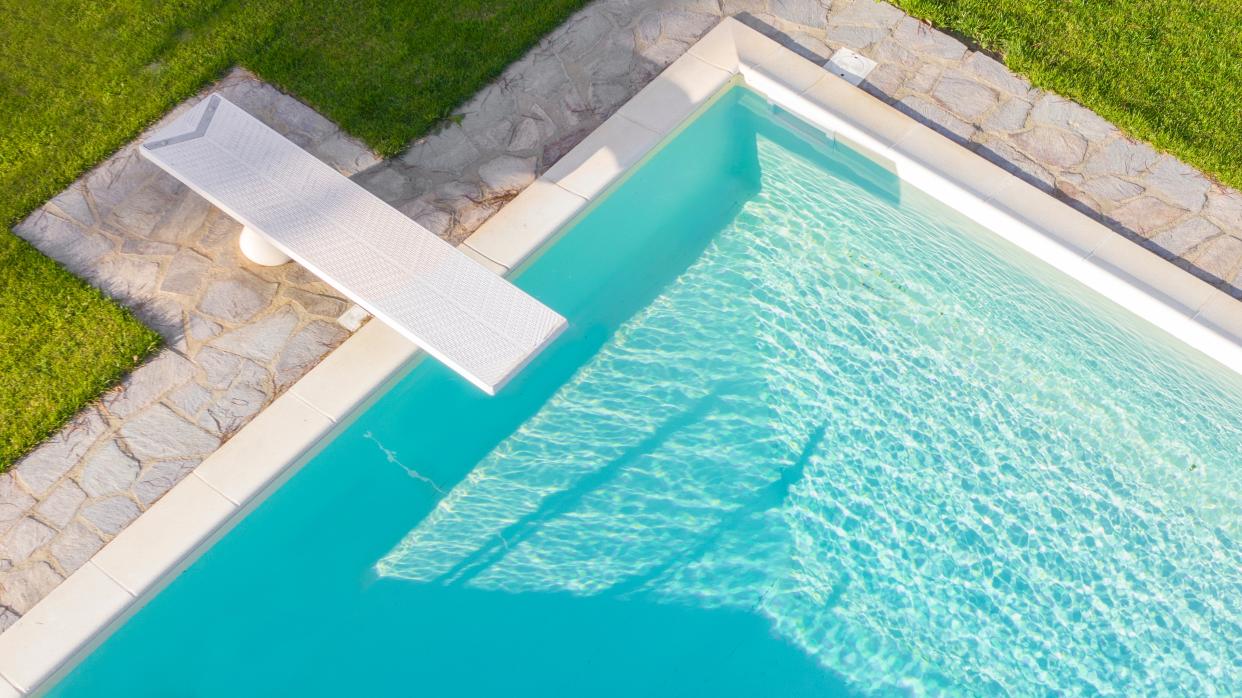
239	334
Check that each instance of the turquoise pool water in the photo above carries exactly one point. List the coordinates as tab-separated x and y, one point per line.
809	434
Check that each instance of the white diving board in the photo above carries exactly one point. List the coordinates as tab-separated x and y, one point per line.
472	320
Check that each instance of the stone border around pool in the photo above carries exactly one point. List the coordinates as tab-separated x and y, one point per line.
79	614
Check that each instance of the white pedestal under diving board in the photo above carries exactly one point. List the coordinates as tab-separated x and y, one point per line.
472	320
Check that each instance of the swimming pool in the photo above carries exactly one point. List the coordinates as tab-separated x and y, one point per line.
809	433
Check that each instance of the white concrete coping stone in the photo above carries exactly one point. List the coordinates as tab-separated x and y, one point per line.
470	319
80	612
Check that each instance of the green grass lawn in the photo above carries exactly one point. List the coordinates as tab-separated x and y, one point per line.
1166	71
79	79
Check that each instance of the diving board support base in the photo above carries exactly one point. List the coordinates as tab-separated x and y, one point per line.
258	250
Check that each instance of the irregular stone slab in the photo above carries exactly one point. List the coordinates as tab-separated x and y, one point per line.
68	243
1053	110
117	179
1112	189
74	546
1179	183
963	96
238	298
808	13
14	501
1120	157
1186	236
72	204
856	38
936	117
60	452
158	478
867	13
1221	259
921	38
108	471
139	212
21	588
7	618
688	26
219	366
317	303
507	173
110	515
304	350
923	79
1146	215
1009	116
243	399
1005	156
159	433
186	273
25	537
1052	145
260	340
385	182
186	214
995	74
147	383
1226	209
59	508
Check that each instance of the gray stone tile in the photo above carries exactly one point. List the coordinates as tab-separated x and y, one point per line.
1053	146
507	173
61	505
246	395
1120	157
1052	110
304	350
74	546
1225	207
1112	189
108	471
159	434
1146	215
1221	258
238	298
25	537
1178	183
110	515
262	339
156	479
60	452
937	117
15	501
1009	116
186	273
809	13
866	13
148	383
1186	236
22	587
921	38
964	96
994	73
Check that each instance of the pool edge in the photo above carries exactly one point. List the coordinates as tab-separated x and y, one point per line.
82	611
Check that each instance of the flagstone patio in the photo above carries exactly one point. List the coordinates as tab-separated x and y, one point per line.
237	334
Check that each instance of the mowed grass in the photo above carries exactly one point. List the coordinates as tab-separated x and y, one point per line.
79	79
1166	71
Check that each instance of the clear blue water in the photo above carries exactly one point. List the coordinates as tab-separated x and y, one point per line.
810	434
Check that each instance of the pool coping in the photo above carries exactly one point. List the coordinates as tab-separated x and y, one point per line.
82	611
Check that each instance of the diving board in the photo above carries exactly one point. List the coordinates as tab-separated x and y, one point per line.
459	312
